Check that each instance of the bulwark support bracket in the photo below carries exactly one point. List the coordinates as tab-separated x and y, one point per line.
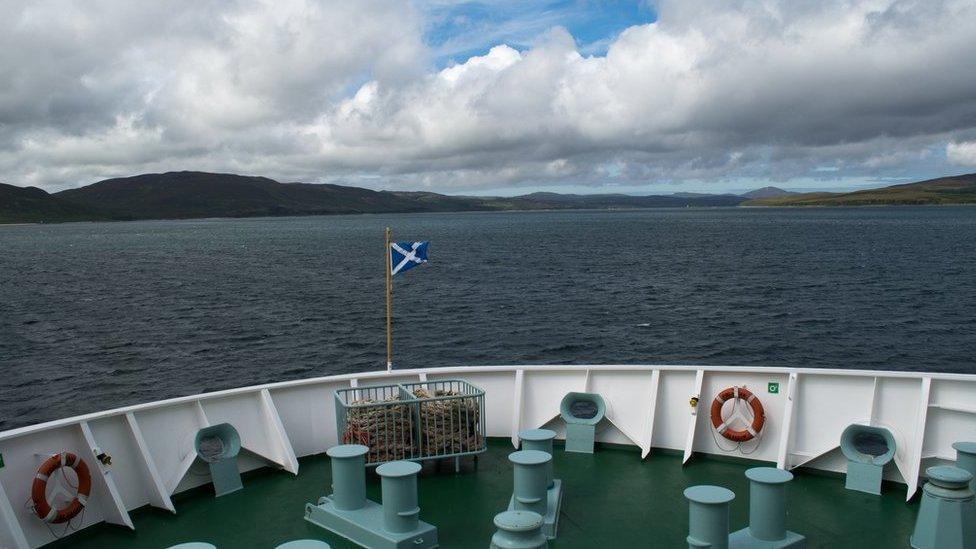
287	453
693	421
517	406
648	434
784	440
160	495
117	513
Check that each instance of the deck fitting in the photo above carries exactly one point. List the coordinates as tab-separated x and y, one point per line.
347	512
767	512
947	518
531	492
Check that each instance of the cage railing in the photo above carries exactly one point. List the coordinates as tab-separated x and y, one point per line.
413	421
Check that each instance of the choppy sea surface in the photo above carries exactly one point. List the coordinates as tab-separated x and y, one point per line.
98	315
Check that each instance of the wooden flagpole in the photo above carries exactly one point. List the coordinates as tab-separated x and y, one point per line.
389	302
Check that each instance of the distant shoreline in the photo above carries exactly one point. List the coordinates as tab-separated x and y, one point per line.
516	211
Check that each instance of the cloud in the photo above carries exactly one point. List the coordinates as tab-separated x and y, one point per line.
321	91
962	153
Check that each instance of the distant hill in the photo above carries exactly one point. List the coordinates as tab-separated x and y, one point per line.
186	195
959	189
33	205
768	192
624	201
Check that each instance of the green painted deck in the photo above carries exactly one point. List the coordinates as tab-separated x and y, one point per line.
611	498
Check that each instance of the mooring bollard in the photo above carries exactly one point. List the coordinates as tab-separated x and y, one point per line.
530	480
708	516
966	459
399	484
348	476
767	512
541	440
947	517
518	530
767	502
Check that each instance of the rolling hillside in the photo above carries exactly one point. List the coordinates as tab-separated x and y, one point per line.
959	189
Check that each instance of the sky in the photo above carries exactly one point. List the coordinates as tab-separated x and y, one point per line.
495	97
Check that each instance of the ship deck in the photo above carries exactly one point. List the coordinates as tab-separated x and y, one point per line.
611	497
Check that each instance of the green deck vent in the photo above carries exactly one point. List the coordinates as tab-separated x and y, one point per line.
867	449
767	512
947	517
581	412
393	525
218	445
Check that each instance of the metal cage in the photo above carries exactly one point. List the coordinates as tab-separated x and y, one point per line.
413	421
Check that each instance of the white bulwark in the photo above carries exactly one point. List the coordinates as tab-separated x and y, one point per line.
650	407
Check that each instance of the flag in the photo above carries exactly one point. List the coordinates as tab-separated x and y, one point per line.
407	255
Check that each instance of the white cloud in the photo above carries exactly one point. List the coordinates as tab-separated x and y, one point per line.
962	153
333	91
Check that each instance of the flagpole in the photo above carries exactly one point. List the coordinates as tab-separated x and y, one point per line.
389	303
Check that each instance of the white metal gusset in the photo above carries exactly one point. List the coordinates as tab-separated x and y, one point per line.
693	421
288	459
121	514
648	438
784	440
160	496
918	438
517	406
10	522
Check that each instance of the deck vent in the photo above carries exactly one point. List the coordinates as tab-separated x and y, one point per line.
867	449
218	445
582	412
947	517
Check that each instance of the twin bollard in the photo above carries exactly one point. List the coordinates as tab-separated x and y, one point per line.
534	442
395	524
530	481
947	517
709	514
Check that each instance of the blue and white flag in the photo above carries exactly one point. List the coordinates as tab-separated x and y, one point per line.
407	255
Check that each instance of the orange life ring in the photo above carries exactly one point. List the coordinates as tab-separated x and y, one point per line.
758	414
45	511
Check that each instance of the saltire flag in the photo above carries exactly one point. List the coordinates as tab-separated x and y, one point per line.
407	255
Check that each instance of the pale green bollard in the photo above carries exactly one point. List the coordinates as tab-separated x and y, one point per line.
947	517
400	510
767	512
966	459
708	517
530	480
541	440
767	502
518	530
348	476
